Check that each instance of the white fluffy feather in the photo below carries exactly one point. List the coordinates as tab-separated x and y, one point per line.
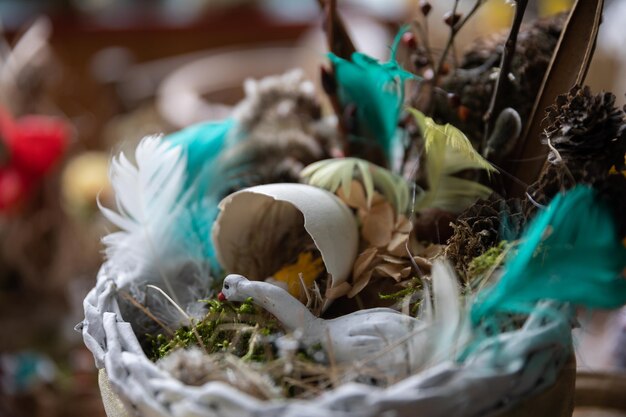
151	245
445	328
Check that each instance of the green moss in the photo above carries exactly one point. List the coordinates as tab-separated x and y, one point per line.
413	286
237	328
483	263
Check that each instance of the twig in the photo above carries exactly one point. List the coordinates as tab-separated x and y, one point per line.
454	29
424	35
446	49
146	311
182	312
503	83
333	372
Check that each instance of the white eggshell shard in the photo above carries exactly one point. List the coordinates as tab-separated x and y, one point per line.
327	220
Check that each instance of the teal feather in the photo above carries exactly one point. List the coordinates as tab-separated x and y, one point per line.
570	253
204	146
377	92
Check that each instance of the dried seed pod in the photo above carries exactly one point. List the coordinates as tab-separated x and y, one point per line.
425	7
451	19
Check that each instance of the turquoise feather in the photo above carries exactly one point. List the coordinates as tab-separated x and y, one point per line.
377	91
204	146
570	253
203	143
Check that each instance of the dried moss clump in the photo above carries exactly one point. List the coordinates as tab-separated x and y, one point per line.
481	227
485	262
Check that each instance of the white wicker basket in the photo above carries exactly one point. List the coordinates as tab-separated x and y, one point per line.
499	375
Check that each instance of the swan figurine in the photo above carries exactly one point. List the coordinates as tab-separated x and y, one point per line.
377	338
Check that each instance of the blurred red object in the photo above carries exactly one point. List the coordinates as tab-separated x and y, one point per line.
31	146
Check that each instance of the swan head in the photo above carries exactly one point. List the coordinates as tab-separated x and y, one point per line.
232	288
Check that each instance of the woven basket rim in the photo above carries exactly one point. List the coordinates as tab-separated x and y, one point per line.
484	384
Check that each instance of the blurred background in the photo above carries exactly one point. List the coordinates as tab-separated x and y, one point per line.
81	80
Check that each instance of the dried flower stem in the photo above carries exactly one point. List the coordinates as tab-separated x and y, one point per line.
503	83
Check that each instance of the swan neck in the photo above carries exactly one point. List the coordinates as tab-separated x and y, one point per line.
282	305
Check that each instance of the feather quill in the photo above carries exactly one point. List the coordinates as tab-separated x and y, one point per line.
448	330
448	151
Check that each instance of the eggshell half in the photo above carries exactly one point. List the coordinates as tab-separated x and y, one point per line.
328	221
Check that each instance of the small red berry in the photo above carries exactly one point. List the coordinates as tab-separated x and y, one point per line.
408	39
463	113
445	69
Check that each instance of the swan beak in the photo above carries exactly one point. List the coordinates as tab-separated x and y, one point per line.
221	296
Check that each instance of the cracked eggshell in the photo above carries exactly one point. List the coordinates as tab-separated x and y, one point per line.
327	220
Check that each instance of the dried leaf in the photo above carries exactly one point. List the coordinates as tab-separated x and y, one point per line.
339	41
393	259
568	67
378	225
363	261
432	251
392	271
406	272
356	197
397	245
360	284
424	264
404	225
340	290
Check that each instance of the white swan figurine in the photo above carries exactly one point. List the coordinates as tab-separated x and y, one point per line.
379	338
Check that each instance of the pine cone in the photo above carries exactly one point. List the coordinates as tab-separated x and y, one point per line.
587	128
481	227
473	81
589	134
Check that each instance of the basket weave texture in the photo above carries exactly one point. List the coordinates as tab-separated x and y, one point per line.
502	374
